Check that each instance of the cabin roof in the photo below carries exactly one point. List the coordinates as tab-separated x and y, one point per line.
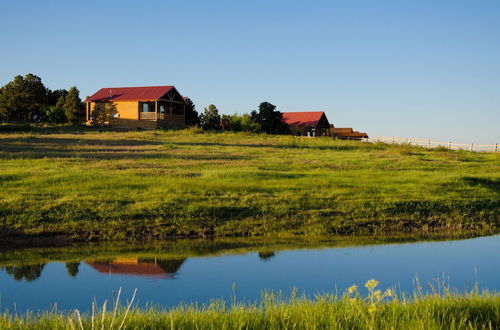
301	119
148	93
342	130
347	132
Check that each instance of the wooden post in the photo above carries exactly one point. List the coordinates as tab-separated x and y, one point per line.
392	140
496	147
471	146
429	144
449	145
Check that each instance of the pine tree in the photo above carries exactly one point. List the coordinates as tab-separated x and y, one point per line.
210	118
73	106
192	118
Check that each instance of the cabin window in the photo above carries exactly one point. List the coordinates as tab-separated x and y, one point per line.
162	109
147	107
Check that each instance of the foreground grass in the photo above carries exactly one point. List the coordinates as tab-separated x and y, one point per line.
126	185
379	310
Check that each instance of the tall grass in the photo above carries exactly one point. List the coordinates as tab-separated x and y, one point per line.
125	185
351	310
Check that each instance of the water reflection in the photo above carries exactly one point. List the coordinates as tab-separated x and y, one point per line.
132	266
72	268
135	266
169	273
27	273
266	255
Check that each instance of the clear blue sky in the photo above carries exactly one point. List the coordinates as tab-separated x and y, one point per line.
416	68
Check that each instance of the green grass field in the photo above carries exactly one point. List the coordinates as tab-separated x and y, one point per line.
127	185
376	310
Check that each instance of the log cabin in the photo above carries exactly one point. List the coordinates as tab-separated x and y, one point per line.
307	123
347	133
137	107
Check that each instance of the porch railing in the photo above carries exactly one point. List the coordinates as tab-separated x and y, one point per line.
147	115
160	116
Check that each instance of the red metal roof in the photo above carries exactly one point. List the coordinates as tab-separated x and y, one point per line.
143	269
306	118
129	93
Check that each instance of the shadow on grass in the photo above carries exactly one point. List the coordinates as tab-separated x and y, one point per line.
35	148
17	142
110	154
492	184
276	146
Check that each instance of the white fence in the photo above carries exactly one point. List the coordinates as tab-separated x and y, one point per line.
427	143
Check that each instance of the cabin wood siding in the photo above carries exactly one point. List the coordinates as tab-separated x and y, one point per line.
128	109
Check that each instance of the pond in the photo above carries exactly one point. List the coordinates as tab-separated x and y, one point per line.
169	273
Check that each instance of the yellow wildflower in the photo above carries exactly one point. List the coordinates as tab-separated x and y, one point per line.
388	293
371	284
352	289
377	294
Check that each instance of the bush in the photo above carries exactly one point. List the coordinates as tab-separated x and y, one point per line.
55	114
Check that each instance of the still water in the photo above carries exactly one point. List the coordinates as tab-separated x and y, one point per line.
34	279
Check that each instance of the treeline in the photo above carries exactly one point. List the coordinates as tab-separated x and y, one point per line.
27	99
264	120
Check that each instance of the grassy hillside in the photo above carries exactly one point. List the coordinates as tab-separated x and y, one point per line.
123	185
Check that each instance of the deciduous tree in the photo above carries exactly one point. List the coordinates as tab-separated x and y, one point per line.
55	113
103	113
23	97
54	95
270	120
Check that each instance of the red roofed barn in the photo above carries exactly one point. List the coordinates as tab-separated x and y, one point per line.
310	123
137	107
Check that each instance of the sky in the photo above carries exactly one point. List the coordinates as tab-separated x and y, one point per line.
415	68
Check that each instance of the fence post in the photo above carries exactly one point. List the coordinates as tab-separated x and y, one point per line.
429	145
392	140
496	147
449	145
471	146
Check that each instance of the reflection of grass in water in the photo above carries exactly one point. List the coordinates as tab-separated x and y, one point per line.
125	185
378	310
187	248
